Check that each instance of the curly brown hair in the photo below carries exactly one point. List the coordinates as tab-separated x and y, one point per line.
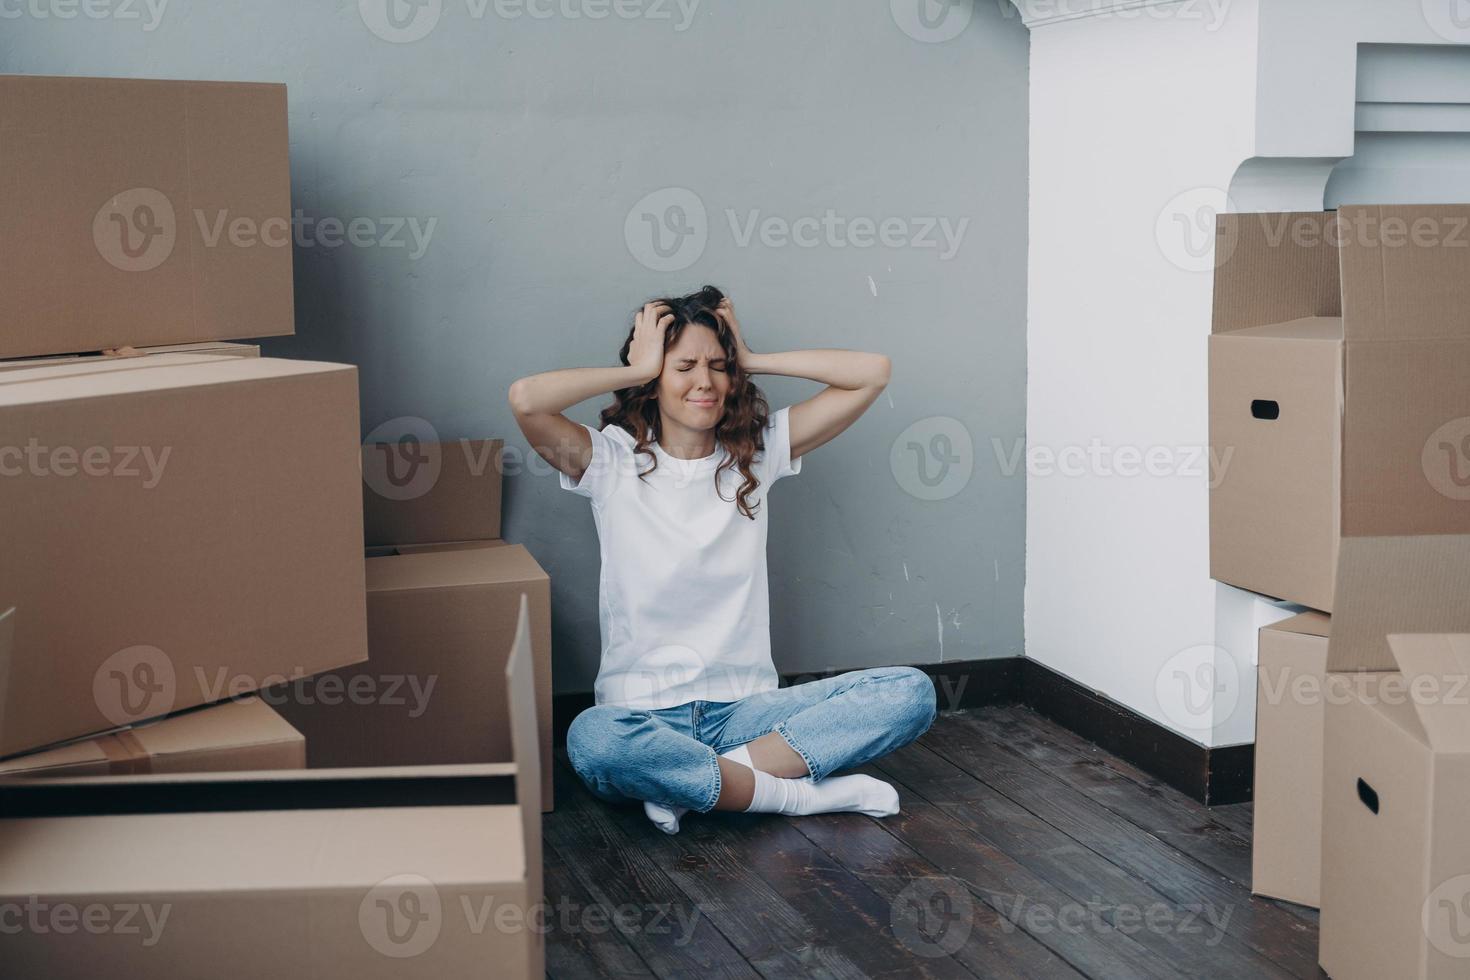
742	426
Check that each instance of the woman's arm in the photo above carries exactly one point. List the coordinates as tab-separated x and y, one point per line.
854	379
539	400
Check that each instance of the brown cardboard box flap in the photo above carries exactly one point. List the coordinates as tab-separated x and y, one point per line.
1443	658
183	852
1310	623
52	370
246	723
1274	267
182	371
1405	271
1311	328
217	348
244	733
7	656
453	568
1414	583
525	736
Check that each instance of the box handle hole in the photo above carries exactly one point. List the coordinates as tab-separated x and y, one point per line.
1265	408
1368	795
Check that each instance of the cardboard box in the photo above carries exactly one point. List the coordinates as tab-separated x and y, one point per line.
416	492
1286	847
191	532
243	734
1338	360
1395	852
425	696
369	874
217	348
141	212
428	549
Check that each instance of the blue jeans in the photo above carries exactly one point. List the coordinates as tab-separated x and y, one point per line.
668	755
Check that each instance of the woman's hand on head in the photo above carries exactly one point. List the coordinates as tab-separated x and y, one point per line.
646	352
726	312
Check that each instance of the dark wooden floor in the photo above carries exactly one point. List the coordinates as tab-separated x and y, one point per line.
1021	851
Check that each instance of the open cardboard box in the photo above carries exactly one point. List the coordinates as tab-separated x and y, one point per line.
1339	361
335	874
433	611
142	212
191	532
1395	848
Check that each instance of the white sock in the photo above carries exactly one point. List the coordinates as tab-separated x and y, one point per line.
835	794
805	795
666	817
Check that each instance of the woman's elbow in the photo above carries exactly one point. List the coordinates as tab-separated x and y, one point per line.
884	370
517	397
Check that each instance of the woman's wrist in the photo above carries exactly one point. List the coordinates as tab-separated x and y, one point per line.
752	363
637	376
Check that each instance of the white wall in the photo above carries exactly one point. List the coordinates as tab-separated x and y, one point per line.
1134	119
1141	118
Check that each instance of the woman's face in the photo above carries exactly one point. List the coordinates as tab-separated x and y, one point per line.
693	386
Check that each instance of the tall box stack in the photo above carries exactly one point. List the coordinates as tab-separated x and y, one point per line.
186	543
1338	365
169	547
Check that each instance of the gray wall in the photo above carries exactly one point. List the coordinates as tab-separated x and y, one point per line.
530	140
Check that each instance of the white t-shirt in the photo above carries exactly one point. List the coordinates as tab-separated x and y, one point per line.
683	601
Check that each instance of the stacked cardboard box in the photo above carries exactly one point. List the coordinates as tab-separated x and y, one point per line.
187	533
439	595
174	549
1338	362
142	212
